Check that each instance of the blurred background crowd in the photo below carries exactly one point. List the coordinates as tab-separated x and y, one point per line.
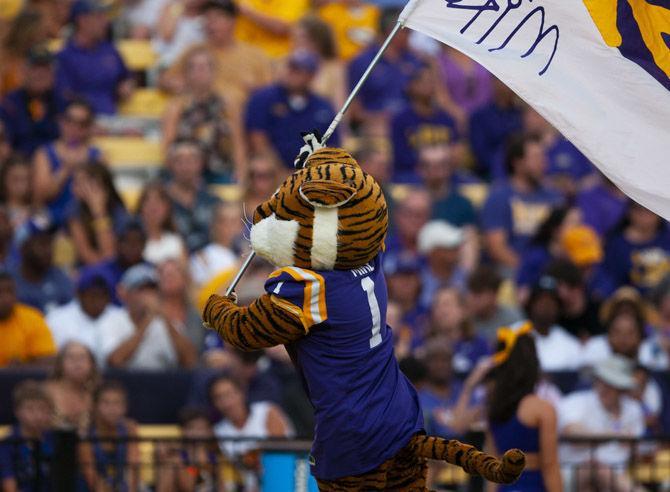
136	136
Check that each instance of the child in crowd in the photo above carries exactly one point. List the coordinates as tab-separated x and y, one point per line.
26	454
107	458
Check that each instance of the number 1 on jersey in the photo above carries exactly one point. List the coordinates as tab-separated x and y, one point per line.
369	287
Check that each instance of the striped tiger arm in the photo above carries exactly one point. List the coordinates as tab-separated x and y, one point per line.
507	470
264	323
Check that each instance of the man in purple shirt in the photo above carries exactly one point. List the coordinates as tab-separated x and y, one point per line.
89	66
602	206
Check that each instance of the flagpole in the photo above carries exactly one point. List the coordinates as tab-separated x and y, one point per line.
338	117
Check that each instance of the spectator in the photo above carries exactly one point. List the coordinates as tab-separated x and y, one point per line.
440	395
649	395
130	244
603	206
90	319
579	310
15	190
468	84
556	348
441	244
196	465
383	94
39	283
155	211
151	340
96	215
314	35
518	417
403	276
178	28
25	31
450	319
7	255
276	114
201	114
268	24
655	350
264	175
486	313
514	210
240	67
545	246
26	336
411	214
605	409
354	24
173	284
32	409
141	17
625	333
5	146
71	387
192	205
54	164
420	124
30	112
491	126
637	252
437	173
109	461
243	419
89	66
219	255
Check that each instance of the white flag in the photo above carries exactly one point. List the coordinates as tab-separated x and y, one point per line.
598	70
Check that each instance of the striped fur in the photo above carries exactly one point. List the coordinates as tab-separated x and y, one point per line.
407	470
331	178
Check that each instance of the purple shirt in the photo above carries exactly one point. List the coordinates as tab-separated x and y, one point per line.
93	74
602	208
365	408
384	90
468	90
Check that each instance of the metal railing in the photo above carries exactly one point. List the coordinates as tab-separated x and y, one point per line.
65	463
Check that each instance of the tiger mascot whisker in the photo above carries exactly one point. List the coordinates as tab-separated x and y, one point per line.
324	229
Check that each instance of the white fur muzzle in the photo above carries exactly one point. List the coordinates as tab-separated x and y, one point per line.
324	238
274	240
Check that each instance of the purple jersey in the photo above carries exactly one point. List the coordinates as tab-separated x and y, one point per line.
365	408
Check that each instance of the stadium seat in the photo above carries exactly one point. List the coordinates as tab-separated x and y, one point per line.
145	103
138	54
227	192
123	153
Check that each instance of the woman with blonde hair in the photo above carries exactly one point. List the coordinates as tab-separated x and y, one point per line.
74	379
205	116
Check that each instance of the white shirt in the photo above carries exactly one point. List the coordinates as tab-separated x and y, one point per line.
188	32
155	351
169	247
210	261
584	409
652	355
558	350
71	323
596	350
145	13
256	426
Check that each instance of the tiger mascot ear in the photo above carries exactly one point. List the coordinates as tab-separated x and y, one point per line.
326	193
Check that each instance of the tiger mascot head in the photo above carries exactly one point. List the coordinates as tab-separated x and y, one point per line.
329	215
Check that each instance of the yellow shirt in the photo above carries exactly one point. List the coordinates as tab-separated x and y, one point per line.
273	45
354	27
24	336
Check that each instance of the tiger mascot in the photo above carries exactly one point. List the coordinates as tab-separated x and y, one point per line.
324	230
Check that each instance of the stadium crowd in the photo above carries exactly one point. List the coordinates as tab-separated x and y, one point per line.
497	221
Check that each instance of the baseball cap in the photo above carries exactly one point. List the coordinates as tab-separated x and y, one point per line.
139	276
92	276
39	56
82	7
304	60
582	245
616	371
227	6
439	234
